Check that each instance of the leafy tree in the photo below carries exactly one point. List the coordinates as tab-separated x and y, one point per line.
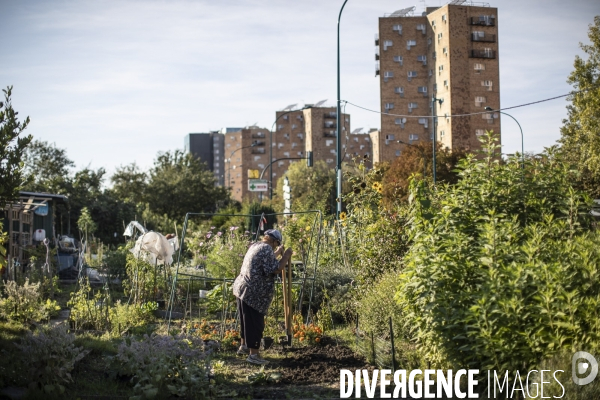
581	130
503	267
129	183
47	167
313	188
12	148
396	178
85	223
180	183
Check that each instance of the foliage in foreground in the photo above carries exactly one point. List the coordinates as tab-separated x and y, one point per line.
50	355
503	271
159	364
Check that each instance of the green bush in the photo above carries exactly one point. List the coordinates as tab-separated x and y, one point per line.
375	306
160	364
24	303
503	271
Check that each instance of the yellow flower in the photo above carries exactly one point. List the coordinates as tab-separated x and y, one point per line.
308	228
343	215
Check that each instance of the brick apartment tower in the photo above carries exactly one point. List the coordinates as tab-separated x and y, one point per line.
449	52
296	132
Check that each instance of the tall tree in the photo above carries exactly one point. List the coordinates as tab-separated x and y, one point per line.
581	130
180	183
416	159
12	148
47	168
129	183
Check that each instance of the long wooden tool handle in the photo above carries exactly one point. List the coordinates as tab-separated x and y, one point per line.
284	290
289	288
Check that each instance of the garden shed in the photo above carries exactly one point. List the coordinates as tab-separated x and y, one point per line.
28	221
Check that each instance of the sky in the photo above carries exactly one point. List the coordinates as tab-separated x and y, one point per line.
115	82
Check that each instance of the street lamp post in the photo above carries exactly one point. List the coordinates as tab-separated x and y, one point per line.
434	117
338	120
422	155
271	146
521	129
231	155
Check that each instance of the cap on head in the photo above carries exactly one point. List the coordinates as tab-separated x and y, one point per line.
275	234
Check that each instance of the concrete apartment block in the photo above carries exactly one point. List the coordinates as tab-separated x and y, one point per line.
242	156
450	52
289	141
208	147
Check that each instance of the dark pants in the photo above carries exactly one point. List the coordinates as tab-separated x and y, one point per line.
252	325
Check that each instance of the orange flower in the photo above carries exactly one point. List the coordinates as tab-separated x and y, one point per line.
301	339
318	339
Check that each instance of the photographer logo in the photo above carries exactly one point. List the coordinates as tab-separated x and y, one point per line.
580	367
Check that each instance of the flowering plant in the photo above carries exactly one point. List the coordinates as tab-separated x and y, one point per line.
309	334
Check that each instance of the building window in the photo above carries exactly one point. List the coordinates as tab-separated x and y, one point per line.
421	27
386	44
423	121
412	106
433	24
479	67
479	100
399	90
445	50
397	28
401	122
439	36
487	84
413	137
422	59
446	83
389	106
478	35
422	89
398	59
389	137
410	43
285	117
444	18
300	136
398	152
442	134
412	74
479	132
387	75
440	69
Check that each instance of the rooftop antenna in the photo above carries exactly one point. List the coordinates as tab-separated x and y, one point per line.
356	131
457	2
289	108
320	103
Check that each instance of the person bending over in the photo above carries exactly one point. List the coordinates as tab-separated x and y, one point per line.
254	288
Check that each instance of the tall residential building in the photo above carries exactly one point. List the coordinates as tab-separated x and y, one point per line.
449	52
245	150
208	147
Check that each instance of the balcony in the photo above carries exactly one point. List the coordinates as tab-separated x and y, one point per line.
328	133
259	150
329	126
331	114
483	21
258	135
486	38
258	142
482	54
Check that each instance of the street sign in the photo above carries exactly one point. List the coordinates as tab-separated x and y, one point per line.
253	174
258	185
